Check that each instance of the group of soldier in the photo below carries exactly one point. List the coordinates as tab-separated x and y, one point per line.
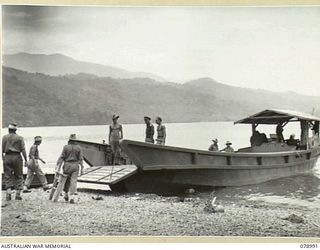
14	153
215	147
69	164
116	134
161	131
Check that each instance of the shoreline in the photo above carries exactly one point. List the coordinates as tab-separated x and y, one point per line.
104	213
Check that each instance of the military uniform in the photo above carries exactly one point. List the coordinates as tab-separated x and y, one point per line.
228	149
12	147
115	135
149	133
161	132
214	147
33	167
72	157
279	131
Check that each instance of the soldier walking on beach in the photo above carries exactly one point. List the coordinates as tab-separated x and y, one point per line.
71	157
161	132
12	148
34	168
149	130
115	135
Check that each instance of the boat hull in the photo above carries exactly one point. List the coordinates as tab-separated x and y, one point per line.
166	169
167	181
98	154
163	166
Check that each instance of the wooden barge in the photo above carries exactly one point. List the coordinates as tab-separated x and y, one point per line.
162	169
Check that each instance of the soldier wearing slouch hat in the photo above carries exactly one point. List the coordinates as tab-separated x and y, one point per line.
13	147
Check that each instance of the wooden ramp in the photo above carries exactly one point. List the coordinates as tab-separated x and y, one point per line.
107	174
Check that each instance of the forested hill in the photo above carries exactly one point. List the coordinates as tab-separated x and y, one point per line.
59	64
34	99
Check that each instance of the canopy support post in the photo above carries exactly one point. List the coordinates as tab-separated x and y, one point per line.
304	125
254	126
316	128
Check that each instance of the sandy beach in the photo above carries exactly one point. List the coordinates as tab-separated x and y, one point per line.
109	214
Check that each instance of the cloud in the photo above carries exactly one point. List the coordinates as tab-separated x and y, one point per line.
268	47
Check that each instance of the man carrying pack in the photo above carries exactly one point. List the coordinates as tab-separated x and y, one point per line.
12	148
33	167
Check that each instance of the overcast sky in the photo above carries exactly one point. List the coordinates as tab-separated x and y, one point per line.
271	48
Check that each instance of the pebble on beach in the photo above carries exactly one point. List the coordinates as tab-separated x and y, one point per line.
152	215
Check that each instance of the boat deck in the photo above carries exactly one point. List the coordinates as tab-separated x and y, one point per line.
107	174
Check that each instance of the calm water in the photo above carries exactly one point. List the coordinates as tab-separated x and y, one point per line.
301	190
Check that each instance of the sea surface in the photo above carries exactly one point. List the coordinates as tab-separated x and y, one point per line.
302	190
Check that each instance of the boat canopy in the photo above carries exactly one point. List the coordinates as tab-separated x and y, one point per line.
276	116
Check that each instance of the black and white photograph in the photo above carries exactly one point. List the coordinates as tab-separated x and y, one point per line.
160	121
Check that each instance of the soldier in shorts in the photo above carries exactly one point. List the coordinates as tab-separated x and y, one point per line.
161	132
115	135
33	166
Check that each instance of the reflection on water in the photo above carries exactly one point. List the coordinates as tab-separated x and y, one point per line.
300	190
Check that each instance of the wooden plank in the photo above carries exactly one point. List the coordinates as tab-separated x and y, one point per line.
118	175
99	174
108	174
123	177
107	171
61	183
89	170
88	178
94	182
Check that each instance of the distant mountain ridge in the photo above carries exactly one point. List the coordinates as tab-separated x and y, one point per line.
58	64
258	98
36	99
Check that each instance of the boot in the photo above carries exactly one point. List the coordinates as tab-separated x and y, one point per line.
46	187
26	190
18	195
72	199
8	195
66	196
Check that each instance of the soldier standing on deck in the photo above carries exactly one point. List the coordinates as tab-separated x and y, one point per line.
161	130
214	146
12	147
228	148
115	135
149	130
33	167
279	133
